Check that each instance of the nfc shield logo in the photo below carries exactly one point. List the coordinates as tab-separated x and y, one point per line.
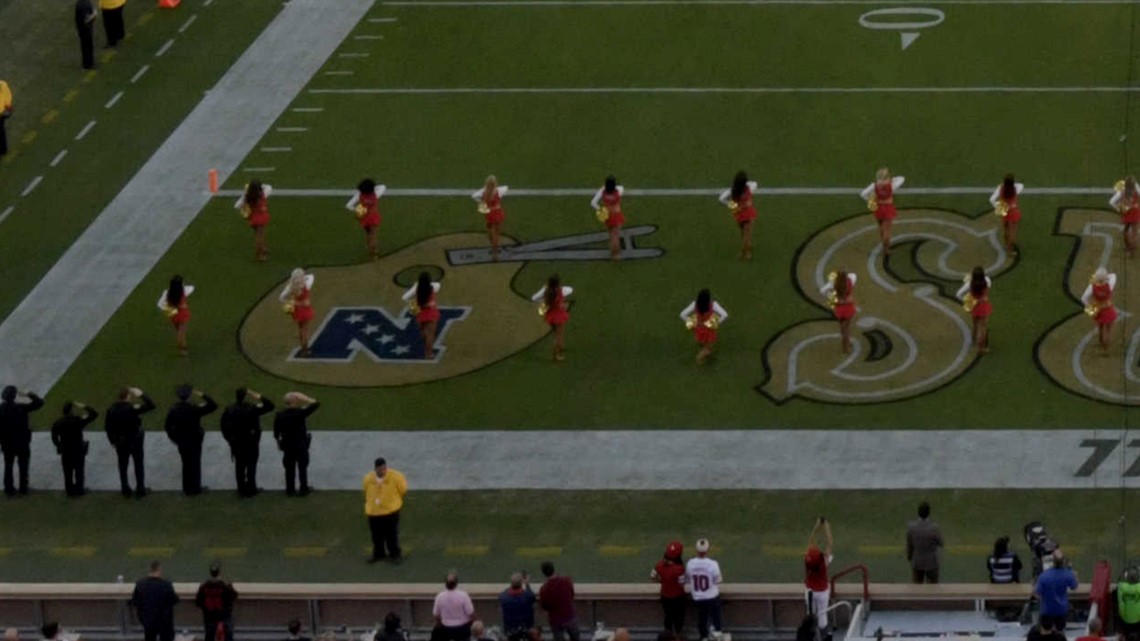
370	331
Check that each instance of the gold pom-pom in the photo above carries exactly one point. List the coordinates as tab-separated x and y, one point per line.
1118	186
712	322
246	211
484	209
1092	309
543	308
733	206
832	299
690	321
872	204
414	307
602	214
969	302
361	210
1001	210
288	308
169	311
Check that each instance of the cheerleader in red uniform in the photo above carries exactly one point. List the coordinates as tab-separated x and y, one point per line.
173	302
1004	201
1126	200
840	293
555	311
296	297
880	197
738	198
703	316
607	202
1098	304
254	207
490	199
426	310
365	203
975	297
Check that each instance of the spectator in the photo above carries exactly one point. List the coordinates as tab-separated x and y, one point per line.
1044	632
154	598
1128	601
479	631
113	23
241	427
1004	565
5	113
11	634
704	577
1094	631
123	423
85	25
453	610
393	631
67	436
1053	589
816	581
517	604
16	435
293	439
184	427
620	634
295	631
808	629
215	599
923	542
670	573
50	631
384	491
557	597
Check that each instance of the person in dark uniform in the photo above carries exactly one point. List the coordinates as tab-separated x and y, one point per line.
123	423
184	427
16	435
241	427
154	599
215	599
293	440
85	25
67	436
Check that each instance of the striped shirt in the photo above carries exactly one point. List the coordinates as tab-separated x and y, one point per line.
1004	569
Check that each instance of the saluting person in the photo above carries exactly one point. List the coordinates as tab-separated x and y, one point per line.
16	435
241	427
67	436
184	427
123	423
293	439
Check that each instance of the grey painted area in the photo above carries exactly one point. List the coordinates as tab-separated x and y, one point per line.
648	460
42	337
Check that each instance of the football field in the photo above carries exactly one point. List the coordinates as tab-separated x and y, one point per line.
673	97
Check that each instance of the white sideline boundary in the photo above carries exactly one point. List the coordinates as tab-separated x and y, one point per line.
490	91
625	3
666	192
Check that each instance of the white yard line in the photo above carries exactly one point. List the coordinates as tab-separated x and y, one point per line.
58	158
622	3
258	170
338	73
140	73
292	130
368	37
186	25
207	3
86	130
994	89
164	48
276	150
308	110
351	55
114	99
381	20
653	192
35	182
7	212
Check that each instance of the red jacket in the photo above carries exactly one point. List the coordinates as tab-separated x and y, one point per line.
557	598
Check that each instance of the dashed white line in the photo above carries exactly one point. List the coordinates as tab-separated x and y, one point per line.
292	130
113	100
381	20
32	185
368	37
186	25
86	129
7	212
58	157
140	73
258	168
338	73
276	150
207	3
351	55
164	48
308	110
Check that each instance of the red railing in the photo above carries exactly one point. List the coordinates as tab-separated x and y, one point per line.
854	568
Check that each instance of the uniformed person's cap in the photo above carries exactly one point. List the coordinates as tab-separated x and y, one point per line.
184	391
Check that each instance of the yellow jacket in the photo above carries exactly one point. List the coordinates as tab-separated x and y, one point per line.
111	4
384	496
5	97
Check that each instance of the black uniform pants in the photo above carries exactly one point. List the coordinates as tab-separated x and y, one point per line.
210	628
245	470
385	533
191	454
160	632
113	25
73	466
296	463
87	45
16	456
708	612
126	453
3	136
674	608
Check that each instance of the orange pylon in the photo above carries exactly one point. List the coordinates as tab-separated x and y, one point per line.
168	4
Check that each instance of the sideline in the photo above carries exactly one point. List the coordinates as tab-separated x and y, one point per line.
41	338
997	89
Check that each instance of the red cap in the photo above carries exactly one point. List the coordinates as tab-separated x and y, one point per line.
674	549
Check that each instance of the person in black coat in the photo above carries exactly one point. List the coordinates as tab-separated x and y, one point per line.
293	439
85	25
154	599
123	424
67	436
184	427
215	599
241	427
16	435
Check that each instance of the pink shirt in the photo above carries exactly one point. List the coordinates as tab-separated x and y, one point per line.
453	607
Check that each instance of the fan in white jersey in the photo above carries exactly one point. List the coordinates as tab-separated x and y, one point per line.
703	577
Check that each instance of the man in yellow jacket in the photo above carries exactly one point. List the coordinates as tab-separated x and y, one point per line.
113	20
384	491
5	111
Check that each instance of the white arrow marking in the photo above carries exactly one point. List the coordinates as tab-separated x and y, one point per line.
908	38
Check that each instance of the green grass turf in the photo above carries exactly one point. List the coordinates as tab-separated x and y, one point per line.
41	63
759	535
